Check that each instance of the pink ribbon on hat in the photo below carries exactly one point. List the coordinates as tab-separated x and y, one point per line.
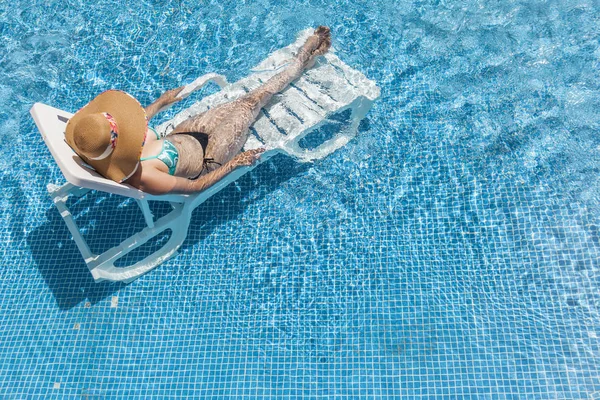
114	135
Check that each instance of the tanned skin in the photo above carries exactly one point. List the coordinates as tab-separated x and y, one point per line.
227	127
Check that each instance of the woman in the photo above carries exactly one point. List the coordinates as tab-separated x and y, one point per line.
111	133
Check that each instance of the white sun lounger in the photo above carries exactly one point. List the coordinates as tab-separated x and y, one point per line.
329	87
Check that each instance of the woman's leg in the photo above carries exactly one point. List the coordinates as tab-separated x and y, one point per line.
227	125
315	46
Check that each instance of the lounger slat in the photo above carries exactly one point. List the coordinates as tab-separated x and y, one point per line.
166	127
194	110
316	95
252	143
281	116
361	84
250	83
292	115
330	80
309	112
302	104
267	131
228	94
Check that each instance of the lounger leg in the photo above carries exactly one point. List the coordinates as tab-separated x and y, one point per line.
148	216
103	267
59	197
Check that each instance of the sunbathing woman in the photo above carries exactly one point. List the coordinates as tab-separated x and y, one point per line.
111	133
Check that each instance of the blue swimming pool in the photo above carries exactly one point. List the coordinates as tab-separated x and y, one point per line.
449	251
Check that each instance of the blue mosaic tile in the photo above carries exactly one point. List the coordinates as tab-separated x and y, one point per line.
449	251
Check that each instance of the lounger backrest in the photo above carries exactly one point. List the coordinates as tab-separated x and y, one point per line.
51	123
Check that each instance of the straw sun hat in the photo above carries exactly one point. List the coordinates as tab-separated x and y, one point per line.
108	134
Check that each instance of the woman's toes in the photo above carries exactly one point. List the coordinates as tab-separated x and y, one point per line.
322	30
323	47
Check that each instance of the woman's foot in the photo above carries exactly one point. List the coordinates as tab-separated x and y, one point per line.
324	34
315	46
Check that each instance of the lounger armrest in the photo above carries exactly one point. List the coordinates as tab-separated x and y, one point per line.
199	83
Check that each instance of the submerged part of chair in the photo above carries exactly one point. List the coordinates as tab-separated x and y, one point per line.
329	87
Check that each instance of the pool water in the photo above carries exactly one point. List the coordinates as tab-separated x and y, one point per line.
449	251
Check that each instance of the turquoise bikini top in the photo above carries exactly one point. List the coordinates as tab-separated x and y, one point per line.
168	154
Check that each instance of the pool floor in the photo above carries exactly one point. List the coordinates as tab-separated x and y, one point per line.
449	251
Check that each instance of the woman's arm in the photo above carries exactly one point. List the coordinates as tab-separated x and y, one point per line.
154	181
168	97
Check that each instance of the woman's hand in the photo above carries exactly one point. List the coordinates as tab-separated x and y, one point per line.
151	180
247	158
170	96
